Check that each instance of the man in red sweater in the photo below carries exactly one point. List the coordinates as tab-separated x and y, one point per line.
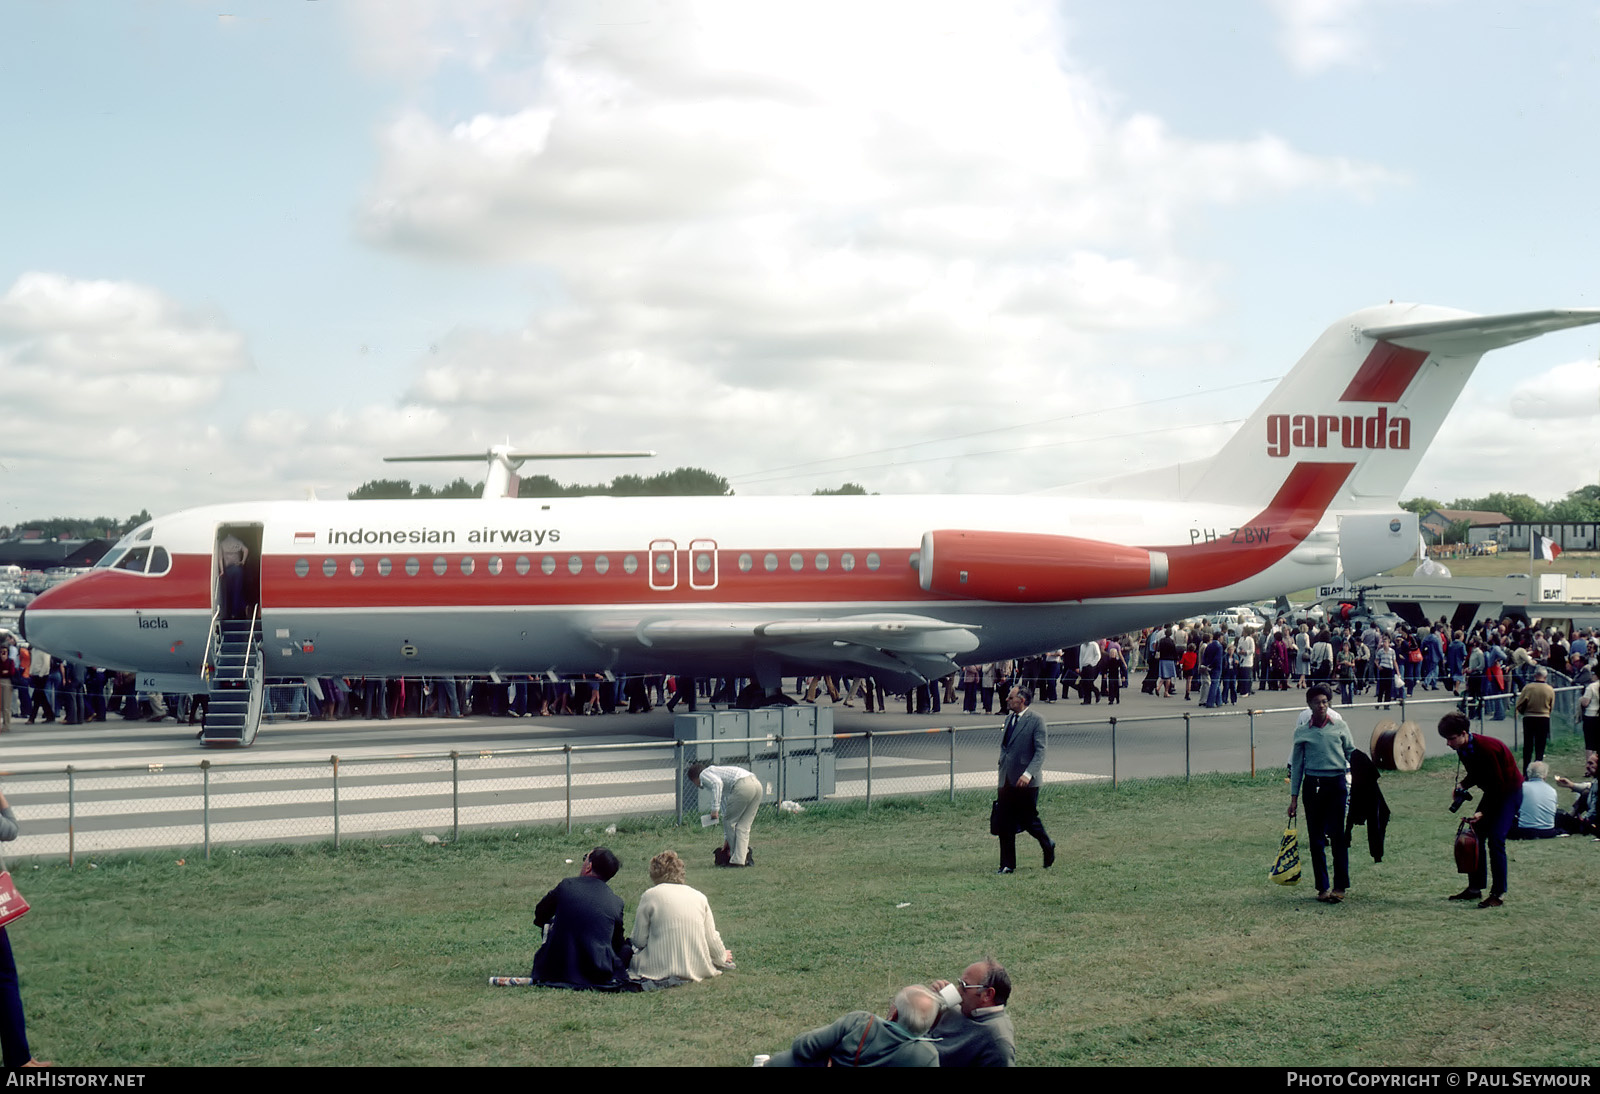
1490	767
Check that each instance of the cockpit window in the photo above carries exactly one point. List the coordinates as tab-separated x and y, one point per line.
160	563
140	534
135	560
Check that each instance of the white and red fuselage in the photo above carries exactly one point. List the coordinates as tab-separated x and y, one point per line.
577	585
898	587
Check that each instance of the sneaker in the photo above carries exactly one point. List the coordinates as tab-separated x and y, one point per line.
1005	870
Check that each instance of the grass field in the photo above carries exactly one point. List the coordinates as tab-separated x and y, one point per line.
1509	562
1156	940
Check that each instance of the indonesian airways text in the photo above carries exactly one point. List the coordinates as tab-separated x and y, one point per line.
361	537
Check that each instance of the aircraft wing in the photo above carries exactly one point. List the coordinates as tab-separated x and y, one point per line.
902	650
910	634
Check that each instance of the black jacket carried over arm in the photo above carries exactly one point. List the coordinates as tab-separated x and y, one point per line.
1366	804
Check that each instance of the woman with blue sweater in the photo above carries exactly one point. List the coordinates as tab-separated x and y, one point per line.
1318	760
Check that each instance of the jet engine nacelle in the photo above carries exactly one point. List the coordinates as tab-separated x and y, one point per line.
1024	567
1370	543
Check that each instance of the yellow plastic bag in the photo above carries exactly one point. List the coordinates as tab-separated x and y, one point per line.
1286	867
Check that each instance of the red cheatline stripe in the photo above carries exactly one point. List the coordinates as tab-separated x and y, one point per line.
1384	375
1237	554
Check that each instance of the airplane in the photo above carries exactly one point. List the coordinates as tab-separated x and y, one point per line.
903	588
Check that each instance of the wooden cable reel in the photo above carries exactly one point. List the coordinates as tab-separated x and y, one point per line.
1397	747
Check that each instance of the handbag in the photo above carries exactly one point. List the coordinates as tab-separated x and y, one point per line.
1286	866
1466	848
12	906
1001	820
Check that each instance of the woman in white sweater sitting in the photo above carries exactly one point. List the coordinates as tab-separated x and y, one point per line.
674	932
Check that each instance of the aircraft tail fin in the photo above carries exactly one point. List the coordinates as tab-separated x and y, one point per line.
1373	391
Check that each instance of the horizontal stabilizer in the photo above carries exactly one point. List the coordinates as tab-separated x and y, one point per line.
1482	333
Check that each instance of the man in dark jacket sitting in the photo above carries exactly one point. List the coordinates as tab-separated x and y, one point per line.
585	946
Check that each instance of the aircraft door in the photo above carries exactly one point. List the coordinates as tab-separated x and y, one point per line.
703	564
236	593
663	564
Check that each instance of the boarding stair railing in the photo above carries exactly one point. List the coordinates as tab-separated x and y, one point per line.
233	708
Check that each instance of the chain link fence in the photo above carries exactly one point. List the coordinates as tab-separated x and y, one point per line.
107	808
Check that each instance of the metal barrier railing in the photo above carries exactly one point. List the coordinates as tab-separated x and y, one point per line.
92	808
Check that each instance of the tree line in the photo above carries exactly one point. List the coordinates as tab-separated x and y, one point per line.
77	527
682	482
1579	506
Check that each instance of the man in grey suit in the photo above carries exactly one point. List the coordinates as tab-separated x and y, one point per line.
1021	772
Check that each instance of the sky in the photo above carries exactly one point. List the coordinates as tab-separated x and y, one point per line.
248	248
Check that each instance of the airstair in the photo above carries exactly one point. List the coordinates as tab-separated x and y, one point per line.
233	711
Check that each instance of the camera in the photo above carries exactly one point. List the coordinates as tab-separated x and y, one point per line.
1459	798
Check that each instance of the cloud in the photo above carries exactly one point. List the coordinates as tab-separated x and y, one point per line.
1571	390
1316	35
759	213
105	352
